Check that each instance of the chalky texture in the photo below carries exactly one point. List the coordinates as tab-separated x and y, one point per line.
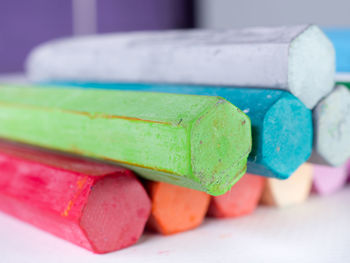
175	209
332	128
99	207
241	200
299	59
281	124
295	190
328	179
198	142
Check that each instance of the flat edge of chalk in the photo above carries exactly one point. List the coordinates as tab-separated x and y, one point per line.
311	66
331	119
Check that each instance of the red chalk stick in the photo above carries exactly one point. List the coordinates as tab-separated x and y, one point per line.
176	209
100	207
241	200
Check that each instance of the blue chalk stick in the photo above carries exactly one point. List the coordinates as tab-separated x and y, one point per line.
340	38
281	124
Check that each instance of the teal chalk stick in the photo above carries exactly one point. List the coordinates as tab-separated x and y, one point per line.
281	124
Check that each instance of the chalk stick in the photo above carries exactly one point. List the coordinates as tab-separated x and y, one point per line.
332	128
299	59
348	170
327	179
295	190
340	38
241	200
281	125
344	83
175	209
96	206
198	142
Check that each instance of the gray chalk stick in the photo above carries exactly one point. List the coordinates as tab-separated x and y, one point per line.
299	59
331	119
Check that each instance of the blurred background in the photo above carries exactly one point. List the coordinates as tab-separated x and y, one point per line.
25	24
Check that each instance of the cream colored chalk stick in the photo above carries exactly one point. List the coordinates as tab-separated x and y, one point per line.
295	190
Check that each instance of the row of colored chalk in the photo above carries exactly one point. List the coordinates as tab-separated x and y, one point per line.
220	142
297	59
200	142
104	208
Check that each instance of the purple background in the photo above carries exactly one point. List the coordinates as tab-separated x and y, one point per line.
25	24
22	26
143	14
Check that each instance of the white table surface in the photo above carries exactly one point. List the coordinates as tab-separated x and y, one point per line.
316	231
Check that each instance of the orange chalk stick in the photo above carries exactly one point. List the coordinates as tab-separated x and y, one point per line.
288	192
241	200
176	209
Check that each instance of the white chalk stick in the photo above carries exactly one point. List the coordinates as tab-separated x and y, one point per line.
299	59
294	190
332	128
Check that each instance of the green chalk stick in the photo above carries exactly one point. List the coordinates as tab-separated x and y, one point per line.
199	142
347	84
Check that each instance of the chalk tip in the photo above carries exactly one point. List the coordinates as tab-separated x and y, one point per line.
287	136
332	126
220	145
289	192
311	66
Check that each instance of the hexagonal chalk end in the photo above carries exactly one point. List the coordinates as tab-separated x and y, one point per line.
115	214
332	128
220	145
295	190
175	208
241	200
287	136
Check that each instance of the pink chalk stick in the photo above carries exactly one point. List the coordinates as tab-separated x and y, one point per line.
348	170
328	179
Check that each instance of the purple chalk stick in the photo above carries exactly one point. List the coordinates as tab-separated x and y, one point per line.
328	179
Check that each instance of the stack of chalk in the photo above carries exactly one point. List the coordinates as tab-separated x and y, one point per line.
341	41
159	129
